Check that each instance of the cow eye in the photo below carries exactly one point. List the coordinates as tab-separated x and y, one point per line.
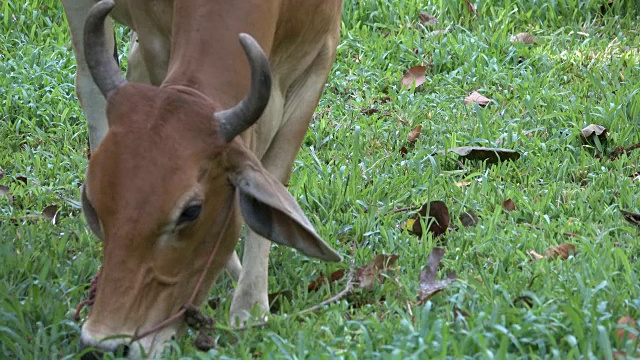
190	213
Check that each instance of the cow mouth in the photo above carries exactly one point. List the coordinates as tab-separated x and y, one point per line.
123	346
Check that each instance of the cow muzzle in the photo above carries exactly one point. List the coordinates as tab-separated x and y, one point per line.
99	345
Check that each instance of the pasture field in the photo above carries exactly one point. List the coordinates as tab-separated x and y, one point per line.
356	185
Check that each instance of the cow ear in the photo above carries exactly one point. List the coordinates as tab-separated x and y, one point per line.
272	212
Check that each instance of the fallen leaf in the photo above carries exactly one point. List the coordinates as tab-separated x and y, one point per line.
463	183
471	7
373	273
4	191
427	19
22	179
587	134
429	286
52	213
622	355
404	151
526	300
369	111
625	334
535	255
475	97
631	217
619	150
414	75
437	32
438	218
321	280
414	134
214	302
509	205
459	314
468	218
524	38
277	298
562	251
491	155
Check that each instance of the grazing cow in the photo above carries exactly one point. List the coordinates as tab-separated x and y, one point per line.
186	159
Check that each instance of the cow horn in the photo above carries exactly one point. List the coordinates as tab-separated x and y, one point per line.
237	119
103	67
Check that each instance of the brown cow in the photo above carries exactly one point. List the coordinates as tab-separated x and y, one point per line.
185	162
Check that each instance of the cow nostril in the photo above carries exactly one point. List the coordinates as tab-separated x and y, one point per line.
122	351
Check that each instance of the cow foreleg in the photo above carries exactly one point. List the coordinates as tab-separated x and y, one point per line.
136	68
91	99
300	102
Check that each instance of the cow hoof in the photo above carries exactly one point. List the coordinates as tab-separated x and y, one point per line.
240	317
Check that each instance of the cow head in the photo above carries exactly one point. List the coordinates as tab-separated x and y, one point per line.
166	188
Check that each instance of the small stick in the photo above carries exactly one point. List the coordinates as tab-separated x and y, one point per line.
347	290
404	209
241	328
566	233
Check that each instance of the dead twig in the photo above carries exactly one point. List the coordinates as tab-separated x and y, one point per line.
565	233
404	209
339	296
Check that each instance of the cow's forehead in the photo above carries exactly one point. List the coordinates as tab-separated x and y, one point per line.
142	108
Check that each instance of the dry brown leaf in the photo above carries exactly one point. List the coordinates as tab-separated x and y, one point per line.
369	111
436	32
631	217
509	205
277	298
468	218
563	251
535	255
414	75
491	155
427	19
461	184
437	218
404	151
587	134
414	134
625	334
429	286
476	97
619	150
373	273
4	191
459	314
526	300
321	280
621	355
52	213
471	7
524	38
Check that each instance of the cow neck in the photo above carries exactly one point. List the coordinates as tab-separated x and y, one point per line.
205	50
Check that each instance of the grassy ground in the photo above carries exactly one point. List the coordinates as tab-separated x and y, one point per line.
350	177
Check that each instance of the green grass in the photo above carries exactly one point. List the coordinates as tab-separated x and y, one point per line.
350	176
